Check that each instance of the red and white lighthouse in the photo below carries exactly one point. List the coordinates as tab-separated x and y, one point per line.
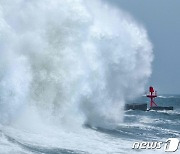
152	95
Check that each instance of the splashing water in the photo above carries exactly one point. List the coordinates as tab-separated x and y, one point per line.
72	60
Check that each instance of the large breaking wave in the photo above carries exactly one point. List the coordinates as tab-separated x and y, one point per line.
74	61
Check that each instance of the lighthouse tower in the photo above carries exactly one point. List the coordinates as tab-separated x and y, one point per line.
153	106
152	95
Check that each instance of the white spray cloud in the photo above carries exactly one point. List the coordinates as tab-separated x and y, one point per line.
76	60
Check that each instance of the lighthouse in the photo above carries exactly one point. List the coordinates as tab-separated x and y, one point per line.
152	95
153	106
143	106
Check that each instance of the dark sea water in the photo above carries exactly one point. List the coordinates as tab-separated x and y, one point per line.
155	125
138	126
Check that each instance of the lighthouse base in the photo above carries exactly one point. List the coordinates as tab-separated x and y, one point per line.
143	107
135	106
161	108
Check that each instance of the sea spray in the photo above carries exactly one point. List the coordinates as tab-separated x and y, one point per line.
76	61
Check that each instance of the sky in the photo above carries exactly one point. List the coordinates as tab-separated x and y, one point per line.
161	18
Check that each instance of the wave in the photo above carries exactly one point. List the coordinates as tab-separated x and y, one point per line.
167	96
74	61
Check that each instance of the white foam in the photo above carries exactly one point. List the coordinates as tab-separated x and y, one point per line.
71	58
67	63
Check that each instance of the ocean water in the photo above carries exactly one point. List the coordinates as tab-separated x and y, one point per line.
67	68
137	126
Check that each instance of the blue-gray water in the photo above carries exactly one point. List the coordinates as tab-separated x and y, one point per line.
137	126
155	124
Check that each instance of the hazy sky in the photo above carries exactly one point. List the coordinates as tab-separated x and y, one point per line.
161	18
